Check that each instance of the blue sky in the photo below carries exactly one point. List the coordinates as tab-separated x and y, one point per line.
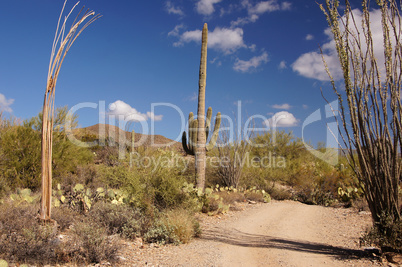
140	54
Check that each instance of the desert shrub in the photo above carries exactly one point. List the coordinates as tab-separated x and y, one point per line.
254	196
230	198
361	204
22	238
279	193
65	217
175	226
315	195
107	155
280	158
90	243
118	219
149	186
20	157
210	204
167	190
20	154
184	225
253	177
386	234
161	233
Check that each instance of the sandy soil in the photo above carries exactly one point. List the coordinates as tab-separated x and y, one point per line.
282	233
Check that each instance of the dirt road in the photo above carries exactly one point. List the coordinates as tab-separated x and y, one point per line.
283	233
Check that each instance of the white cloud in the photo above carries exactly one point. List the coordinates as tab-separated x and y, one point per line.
5	103
282	65
265	6
286	6
224	39
309	37
305	106
171	9
124	111
254	11
311	65
176	30
285	106
216	61
206	7
253	63
188	36
154	117
281	119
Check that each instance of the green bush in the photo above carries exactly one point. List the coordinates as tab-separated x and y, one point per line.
176	226
119	219
162	234
386	235
148	187
20	154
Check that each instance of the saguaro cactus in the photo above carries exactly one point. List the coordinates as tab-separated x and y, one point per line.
198	127
193	132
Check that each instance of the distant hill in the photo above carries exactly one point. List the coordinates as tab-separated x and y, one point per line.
107	131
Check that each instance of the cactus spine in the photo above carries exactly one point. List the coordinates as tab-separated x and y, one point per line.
199	128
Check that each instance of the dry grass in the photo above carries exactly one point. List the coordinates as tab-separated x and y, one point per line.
254	196
22	238
90	243
230	198
185	227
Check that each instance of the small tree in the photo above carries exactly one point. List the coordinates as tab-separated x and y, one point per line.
61	45
370	106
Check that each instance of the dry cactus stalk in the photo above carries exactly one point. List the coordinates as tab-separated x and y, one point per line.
61	43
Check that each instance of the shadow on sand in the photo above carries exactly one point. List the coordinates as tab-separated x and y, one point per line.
238	238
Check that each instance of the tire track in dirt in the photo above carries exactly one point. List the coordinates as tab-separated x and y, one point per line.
280	233
290	234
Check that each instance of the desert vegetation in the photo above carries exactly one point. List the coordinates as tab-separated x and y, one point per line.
99	199
109	192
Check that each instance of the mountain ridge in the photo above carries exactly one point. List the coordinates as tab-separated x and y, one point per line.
113	132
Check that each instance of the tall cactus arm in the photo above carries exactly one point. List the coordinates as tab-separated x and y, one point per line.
184	144
193	135
215	134
208	122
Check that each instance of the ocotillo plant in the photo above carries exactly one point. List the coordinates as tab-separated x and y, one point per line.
198	148
193	132
61	45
